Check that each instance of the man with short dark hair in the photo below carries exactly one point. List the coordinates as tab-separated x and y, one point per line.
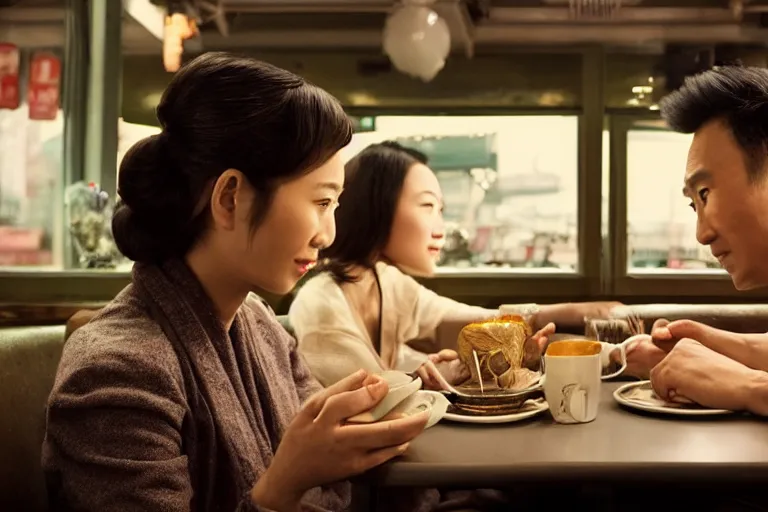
726	179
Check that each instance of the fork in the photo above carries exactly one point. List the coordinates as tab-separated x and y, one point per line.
615	330
594	8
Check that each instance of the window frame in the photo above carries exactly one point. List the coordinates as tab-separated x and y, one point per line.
90	96
622	283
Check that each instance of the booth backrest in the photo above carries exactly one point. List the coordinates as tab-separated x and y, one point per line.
743	318
29	357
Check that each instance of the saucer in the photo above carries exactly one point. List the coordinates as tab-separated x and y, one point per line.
529	409
421	401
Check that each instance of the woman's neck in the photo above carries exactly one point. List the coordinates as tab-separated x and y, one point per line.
364	296
226	293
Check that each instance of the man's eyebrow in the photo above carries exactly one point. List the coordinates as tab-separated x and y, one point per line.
694	179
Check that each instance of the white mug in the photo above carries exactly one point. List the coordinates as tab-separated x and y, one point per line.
572	378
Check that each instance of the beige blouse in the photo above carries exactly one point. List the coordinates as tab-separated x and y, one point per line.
335	342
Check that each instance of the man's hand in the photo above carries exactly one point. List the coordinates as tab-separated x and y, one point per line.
694	372
642	356
748	349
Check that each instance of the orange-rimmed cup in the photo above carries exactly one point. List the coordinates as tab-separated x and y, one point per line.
572	378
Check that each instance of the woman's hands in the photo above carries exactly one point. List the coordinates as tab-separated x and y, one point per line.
541	337
319	447
442	370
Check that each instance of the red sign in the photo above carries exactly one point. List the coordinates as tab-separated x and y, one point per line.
9	76
43	92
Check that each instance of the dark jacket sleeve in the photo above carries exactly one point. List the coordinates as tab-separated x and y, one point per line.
113	436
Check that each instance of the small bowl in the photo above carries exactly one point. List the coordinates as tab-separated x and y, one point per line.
492	401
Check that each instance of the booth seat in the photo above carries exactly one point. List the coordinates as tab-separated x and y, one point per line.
29	357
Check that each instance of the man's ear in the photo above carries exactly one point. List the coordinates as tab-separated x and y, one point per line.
227	197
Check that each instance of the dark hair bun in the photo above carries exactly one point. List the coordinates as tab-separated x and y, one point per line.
149	223
220	112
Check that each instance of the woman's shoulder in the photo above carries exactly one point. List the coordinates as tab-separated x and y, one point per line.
320	292
399	284
319	304
321	282
121	342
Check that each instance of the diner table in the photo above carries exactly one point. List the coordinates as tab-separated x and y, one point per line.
620	445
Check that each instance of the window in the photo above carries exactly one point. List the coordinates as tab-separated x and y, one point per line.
661	228
511	195
31	163
634	81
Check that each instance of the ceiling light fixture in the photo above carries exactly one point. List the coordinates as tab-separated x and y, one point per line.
416	39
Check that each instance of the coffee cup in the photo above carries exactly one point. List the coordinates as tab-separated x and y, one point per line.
572	378
401	386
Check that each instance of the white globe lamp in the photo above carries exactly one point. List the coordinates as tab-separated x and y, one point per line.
417	40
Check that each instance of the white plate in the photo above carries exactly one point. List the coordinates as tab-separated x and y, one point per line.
618	395
535	407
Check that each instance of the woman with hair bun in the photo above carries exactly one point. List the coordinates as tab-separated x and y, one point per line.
184	393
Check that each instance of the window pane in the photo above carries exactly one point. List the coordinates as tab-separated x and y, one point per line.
633	80
510	199
661	227
31	167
